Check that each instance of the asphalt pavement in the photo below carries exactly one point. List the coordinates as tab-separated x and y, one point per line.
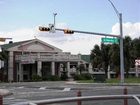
33	91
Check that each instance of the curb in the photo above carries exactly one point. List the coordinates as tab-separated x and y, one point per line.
107	84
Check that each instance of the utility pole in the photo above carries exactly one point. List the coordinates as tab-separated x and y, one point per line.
54	14
121	50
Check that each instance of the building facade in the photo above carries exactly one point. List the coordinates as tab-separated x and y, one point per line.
35	57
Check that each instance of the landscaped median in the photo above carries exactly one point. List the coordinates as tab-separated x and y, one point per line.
114	80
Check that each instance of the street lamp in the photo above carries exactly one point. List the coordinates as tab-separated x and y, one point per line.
121	43
54	14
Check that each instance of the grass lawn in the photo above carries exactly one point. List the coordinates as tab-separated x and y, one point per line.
114	80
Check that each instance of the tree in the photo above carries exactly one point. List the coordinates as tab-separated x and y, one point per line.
136	48
114	54
3	55
127	54
105	57
96	58
134	51
110	55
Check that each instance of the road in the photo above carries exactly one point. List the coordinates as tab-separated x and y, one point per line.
30	91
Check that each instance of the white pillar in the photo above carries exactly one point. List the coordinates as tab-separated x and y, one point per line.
39	67
60	69
10	67
137	73
108	72
20	73
53	68
78	66
68	69
90	69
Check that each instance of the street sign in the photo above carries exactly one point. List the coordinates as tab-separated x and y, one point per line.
110	40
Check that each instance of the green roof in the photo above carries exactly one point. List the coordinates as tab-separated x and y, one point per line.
86	58
6	46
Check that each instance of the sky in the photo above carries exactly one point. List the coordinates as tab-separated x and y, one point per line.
20	19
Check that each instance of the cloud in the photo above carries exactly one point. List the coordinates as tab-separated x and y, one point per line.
62	38
131	29
75	43
80	45
19	34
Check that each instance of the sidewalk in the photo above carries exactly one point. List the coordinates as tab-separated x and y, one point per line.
108	84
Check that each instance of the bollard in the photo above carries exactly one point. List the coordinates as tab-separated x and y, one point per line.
1	100
125	93
79	95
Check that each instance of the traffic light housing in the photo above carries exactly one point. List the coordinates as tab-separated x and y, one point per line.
68	31
2	39
44	29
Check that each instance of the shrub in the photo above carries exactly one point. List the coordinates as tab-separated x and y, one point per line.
36	78
82	77
53	78
64	76
87	76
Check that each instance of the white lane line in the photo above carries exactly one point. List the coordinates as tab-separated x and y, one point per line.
66	89
42	88
21	87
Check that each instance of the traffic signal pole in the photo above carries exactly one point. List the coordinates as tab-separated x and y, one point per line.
121	49
103	34
111	35
92	33
121	41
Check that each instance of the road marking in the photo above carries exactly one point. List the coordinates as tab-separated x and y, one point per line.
21	87
66	89
42	88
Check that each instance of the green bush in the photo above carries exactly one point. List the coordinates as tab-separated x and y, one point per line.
82	77
99	78
53	78
87	76
36	78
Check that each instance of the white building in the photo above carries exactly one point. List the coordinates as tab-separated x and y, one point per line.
35	57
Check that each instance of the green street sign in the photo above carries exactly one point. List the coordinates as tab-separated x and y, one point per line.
110	40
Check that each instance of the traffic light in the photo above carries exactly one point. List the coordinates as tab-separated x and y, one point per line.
68	31
2	39
44	29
